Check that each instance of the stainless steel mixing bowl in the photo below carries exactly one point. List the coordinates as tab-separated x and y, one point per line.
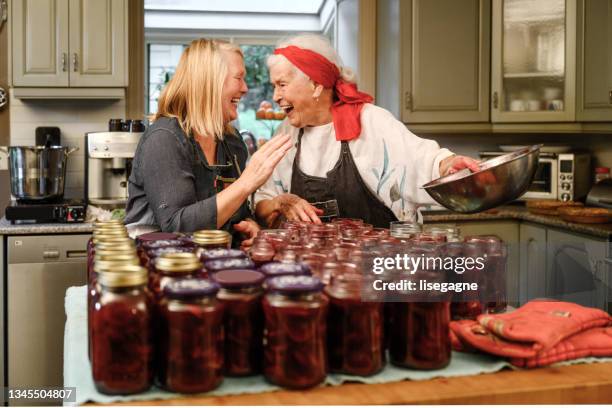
499	181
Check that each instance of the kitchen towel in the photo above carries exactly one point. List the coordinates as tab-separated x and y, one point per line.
541	324
77	370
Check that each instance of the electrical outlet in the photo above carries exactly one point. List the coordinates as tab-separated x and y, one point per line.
3	160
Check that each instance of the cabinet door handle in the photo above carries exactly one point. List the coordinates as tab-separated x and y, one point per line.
75	59
64	58
408	101
495	100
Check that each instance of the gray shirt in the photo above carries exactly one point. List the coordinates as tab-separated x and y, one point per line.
171	184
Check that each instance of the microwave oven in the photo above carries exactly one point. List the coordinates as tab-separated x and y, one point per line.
559	176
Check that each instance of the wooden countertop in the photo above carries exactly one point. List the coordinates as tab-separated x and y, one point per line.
575	384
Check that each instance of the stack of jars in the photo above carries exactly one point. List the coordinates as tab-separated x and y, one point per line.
119	313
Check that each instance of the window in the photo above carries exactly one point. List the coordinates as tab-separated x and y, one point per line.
163	59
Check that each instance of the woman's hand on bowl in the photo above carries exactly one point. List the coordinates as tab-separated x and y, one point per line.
456	163
262	163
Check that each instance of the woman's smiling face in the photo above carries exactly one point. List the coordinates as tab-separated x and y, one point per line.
234	86
293	93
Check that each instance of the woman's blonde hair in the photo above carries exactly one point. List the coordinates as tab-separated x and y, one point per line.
193	95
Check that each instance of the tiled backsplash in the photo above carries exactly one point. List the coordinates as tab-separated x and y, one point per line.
74	118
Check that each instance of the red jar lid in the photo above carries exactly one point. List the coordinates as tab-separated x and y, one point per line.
285	268
221	253
190	288
291	284
239	278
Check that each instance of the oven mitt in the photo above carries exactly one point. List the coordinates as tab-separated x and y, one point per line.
472	337
540	325
595	342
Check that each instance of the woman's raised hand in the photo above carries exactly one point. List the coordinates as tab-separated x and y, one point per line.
262	163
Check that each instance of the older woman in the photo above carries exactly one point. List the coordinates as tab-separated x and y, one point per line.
189	171
346	149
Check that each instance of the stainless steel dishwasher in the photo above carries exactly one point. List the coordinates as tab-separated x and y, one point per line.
39	270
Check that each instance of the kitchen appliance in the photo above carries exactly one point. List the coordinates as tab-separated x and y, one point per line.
500	179
108	162
559	176
37	173
601	194
39	270
61	211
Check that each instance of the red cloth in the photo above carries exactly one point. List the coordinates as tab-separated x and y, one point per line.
346	112
542	324
595	342
538	333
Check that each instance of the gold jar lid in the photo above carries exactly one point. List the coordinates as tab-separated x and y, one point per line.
106	262
106	237
117	257
124	276
116	242
178	262
116	250
110	231
211	237
101	223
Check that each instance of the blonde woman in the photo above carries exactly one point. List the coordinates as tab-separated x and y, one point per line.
189	171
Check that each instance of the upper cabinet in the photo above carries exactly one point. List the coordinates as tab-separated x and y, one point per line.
445	60
69	43
594	90
534	61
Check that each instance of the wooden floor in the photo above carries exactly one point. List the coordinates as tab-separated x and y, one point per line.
583	383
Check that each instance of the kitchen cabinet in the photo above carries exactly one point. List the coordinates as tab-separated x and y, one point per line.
533	73
594	48
445	60
532	262
576	269
69	43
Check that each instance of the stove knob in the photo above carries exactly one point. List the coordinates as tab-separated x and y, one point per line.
562	177
74	214
106	148
565	197
565	186
569	177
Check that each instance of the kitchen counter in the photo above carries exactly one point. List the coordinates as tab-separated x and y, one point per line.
574	384
6	228
520	213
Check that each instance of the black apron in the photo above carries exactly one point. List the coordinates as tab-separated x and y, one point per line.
211	180
343	184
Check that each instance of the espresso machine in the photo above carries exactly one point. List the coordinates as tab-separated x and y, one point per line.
108	163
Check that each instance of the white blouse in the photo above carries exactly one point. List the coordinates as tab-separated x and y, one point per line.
392	161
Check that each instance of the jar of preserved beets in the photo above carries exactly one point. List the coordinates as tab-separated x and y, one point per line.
295	314
171	267
190	356
354	329
122	335
419	326
241	294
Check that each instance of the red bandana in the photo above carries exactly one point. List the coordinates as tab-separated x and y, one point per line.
346	111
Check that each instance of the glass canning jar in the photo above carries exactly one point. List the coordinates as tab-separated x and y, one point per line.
190	357
210	239
354	328
261	253
241	294
122	335
219	265
171	267
103	264
295	313
419	326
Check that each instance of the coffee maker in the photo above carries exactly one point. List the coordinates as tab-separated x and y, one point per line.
108	163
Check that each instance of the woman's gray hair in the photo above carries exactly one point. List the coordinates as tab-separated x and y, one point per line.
318	44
